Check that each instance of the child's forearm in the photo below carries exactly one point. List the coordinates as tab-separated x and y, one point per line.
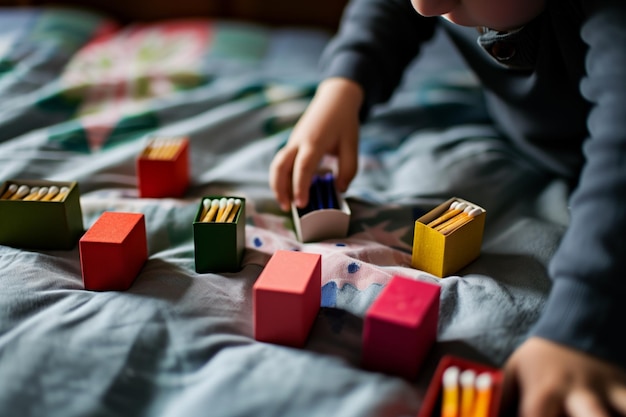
343	90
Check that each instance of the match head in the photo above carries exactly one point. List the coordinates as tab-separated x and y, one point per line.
467	378
484	381
22	191
461	206
451	376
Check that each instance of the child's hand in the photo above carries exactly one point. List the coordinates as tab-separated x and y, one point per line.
329	126
553	380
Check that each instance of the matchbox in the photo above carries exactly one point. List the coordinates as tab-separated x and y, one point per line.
163	168
219	245
42	223
287	297
433	400
113	251
400	327
444	249
327	215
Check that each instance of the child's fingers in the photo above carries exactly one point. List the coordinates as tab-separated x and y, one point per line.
281	170
584	402
617	397
306	163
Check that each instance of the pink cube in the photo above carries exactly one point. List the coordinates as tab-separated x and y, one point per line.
400	327
287	297
113	251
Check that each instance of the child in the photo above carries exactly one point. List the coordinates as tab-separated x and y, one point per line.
554	73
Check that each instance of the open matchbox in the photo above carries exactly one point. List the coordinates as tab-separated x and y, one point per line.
52	225
219	246
445	254
166	173
431	406
322	224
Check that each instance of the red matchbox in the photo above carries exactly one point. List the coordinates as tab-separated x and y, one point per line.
431	406
287	297
113	251
400	327
166	175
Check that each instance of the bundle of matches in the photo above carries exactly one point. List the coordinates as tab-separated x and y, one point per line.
322	194
26	193
163	148
220	210
466	393
456	216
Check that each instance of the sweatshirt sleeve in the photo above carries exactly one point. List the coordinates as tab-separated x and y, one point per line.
586	308
376	41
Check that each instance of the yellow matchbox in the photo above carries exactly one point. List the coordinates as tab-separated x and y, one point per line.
445	241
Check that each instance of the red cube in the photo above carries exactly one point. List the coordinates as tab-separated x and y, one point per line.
113	251
287	297
164	174
400	327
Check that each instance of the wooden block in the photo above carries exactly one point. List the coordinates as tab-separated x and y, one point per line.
113	251
168	177
400	327
287	297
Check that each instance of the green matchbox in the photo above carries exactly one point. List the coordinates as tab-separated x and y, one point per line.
219	246
44	225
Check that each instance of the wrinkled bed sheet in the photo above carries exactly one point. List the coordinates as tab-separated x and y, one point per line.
79	97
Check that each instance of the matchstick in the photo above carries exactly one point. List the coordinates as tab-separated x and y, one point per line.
484	385
450	399
229	206
21	192
454	209
11	189
52	191
206	205
454	218
31	194
460	220
172	148
211	213
221	208
468	392
41	193
234	211
63	192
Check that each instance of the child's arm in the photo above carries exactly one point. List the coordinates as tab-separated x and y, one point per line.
329	126
361	66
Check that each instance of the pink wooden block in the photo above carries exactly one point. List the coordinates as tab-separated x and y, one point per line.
113	251
287	297
400	327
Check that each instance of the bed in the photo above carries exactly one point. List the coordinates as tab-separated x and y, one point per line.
82	90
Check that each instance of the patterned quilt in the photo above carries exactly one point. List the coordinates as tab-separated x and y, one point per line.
80	96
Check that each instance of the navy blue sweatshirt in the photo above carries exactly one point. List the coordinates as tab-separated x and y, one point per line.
557	89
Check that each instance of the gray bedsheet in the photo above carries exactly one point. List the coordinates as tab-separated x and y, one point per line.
179	343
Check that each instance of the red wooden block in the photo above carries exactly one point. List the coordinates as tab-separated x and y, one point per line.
113	251
159	178
287	297
400	327
431	406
